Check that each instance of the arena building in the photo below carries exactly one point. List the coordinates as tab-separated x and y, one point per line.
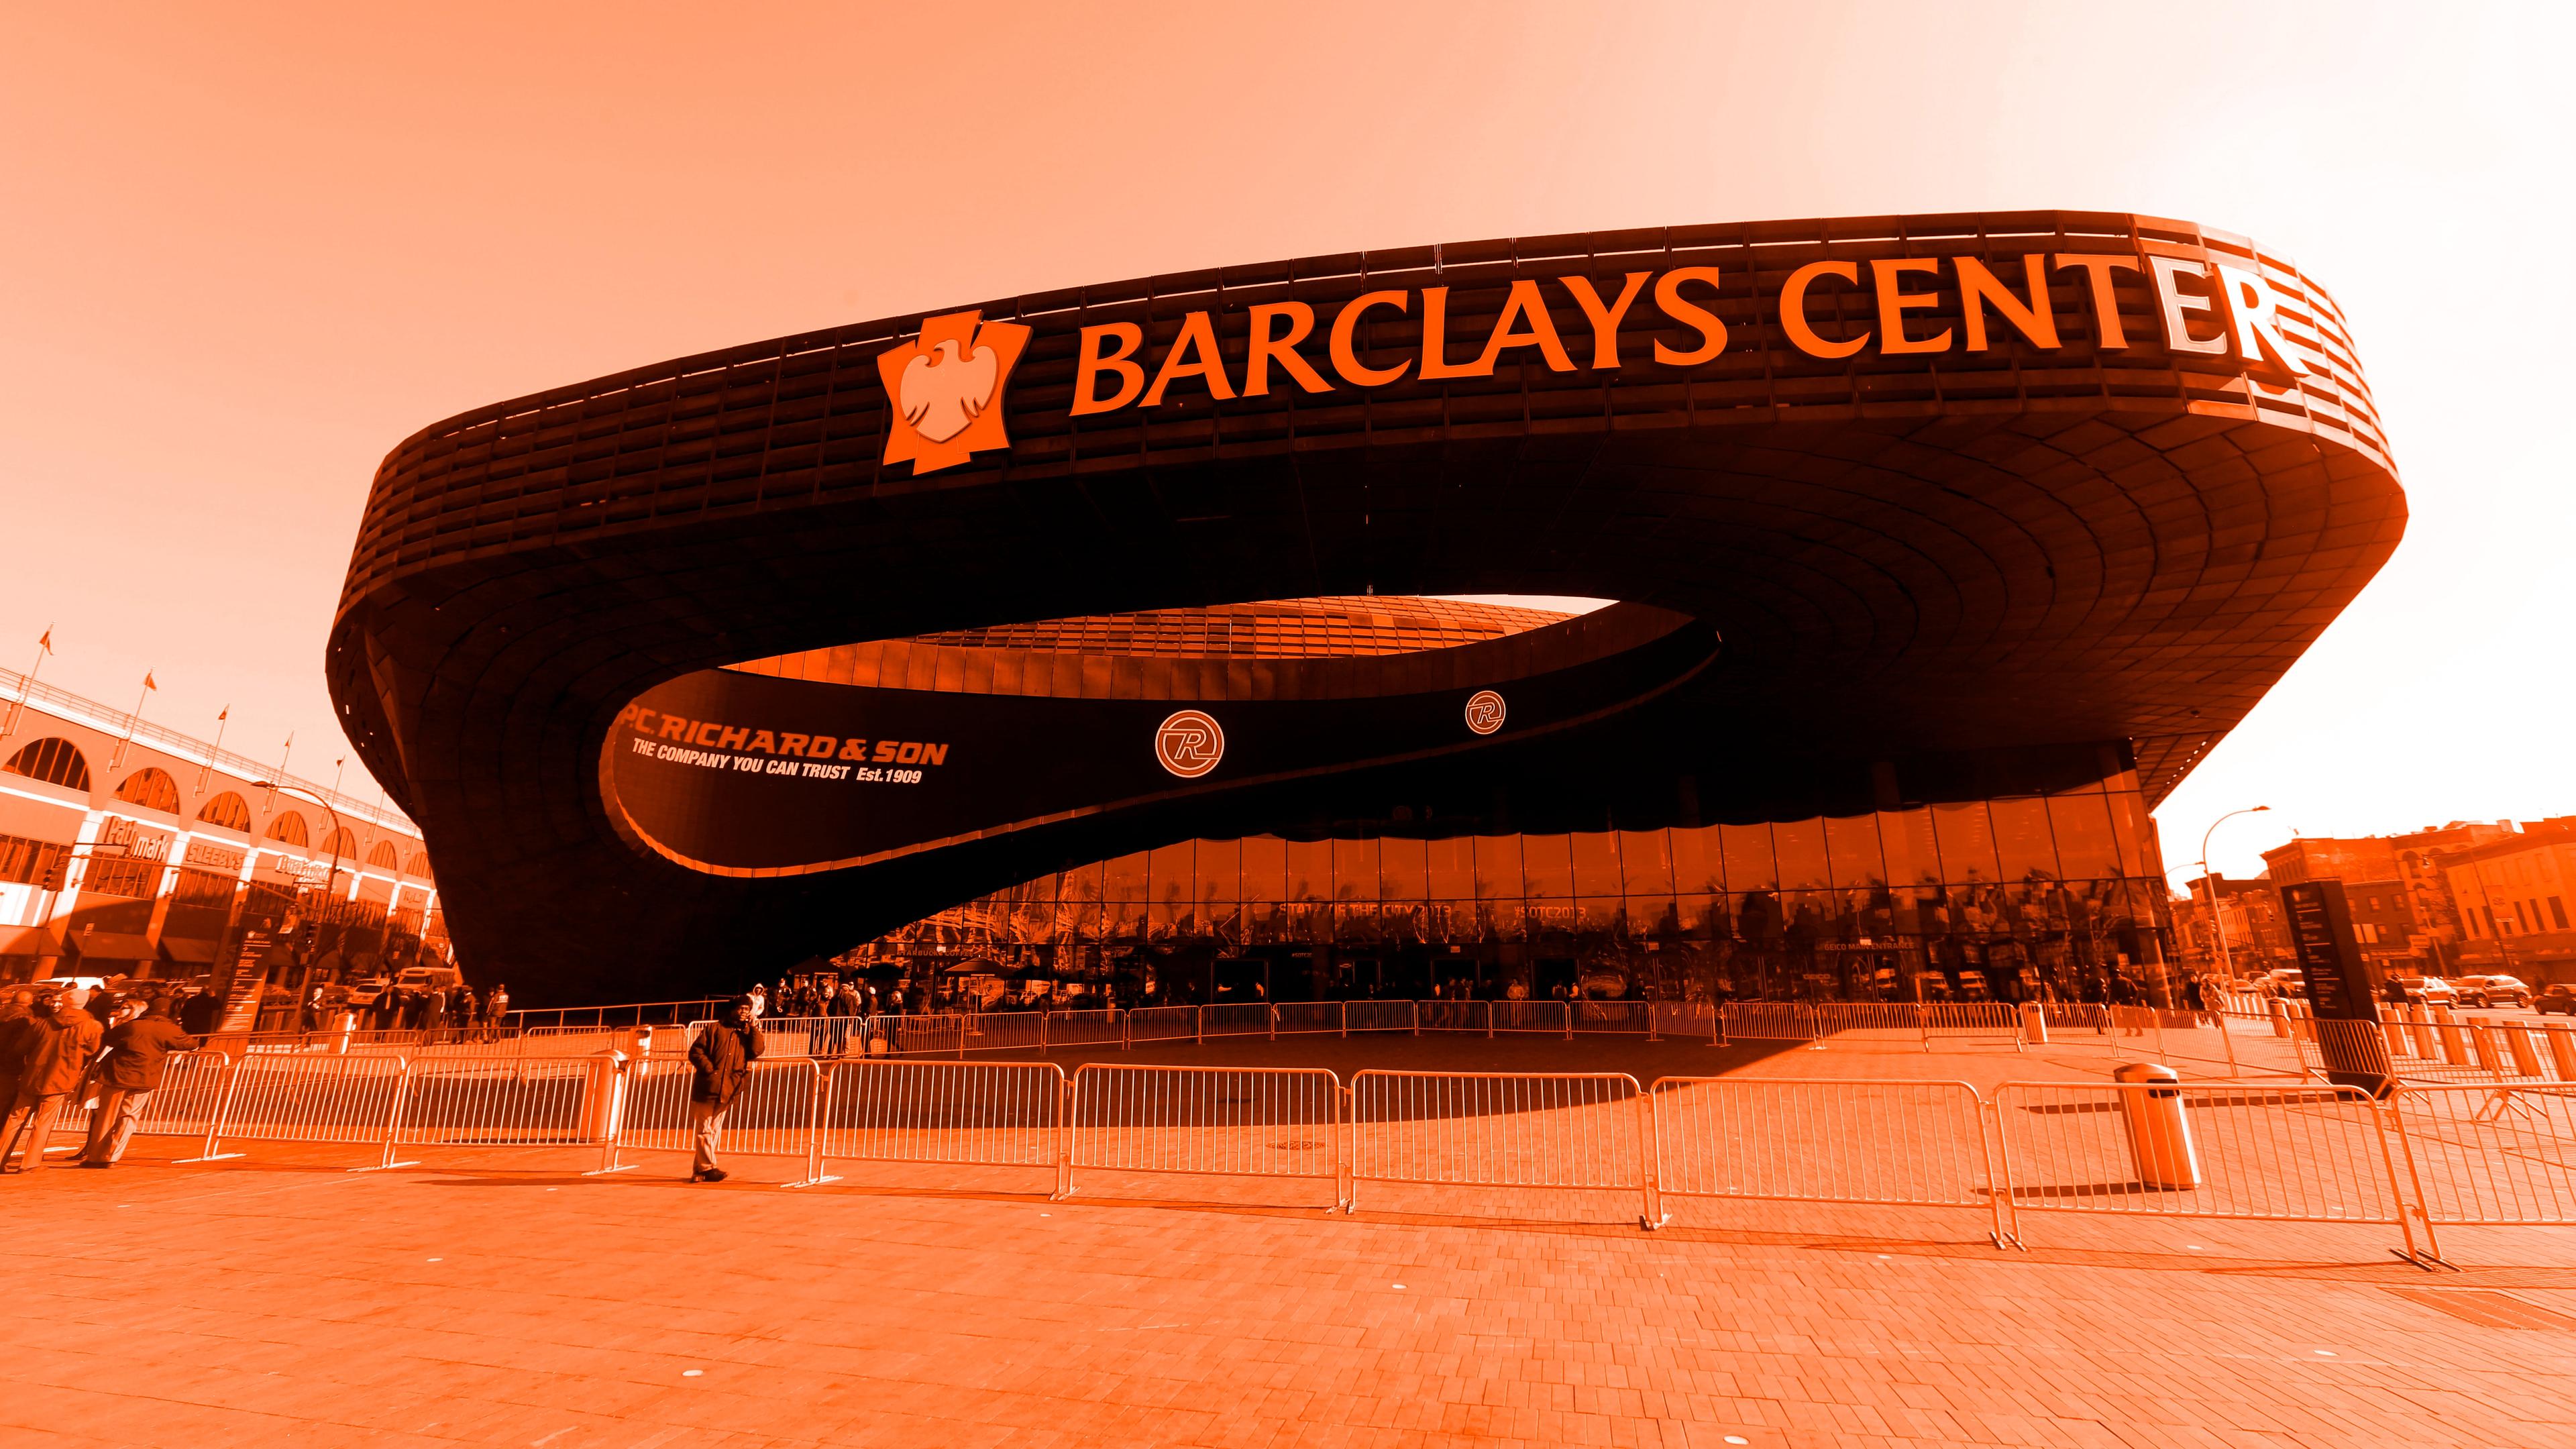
1122	634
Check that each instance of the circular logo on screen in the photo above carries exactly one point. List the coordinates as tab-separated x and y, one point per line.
1485	712
1189	744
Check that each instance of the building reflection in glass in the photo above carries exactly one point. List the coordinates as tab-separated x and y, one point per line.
2059	895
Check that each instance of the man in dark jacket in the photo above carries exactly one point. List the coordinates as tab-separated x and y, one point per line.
51	1053
137	1055
721	1058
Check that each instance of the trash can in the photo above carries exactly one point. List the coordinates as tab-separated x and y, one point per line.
2159	1133
2034	1024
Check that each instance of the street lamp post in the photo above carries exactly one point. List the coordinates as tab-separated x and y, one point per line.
2217	922
331	880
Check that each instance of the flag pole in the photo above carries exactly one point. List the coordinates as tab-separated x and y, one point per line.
44	646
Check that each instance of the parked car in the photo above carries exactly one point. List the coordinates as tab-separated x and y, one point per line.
2428	990
2493	991
2560	998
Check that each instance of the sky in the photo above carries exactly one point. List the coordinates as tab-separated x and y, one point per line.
249	248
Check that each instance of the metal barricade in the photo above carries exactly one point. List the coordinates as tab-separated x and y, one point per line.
2291	1154
1686	1018
1769	1021
1992	1022
2494	1155
1379	1016
1454	1016
914	1036
1862	1021
772	1116
1636	1018
508	1100
1309	1017
1212	1121
1163	1023
1235	1018
1519	1130
1085	1028
1550	1017
352	1099
999	1114
1919	1144
1005	1031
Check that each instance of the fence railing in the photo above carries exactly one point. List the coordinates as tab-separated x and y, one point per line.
2420	1156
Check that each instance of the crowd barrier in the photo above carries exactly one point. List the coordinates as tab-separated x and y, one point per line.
2420	1156
2434	1045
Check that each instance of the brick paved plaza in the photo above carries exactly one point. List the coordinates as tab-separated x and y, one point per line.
504	1299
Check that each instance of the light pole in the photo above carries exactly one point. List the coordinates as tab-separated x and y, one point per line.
331	881
2217	922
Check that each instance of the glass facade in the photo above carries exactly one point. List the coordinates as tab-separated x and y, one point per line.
1992	899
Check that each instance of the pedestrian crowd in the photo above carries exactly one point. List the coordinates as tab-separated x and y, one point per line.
66	1045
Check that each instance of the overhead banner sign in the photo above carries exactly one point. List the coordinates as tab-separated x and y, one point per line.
948	383
737	773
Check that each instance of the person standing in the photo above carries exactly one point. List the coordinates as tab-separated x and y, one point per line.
496	1007
138	1054
720	1059
51	1052
758	1000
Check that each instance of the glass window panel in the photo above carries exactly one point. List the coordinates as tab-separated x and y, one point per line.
1217	869
1851	848
1265	868
1304	920
1547	865
1548	915
1500	920
2085	848
1967	842
1600	913
1310	871
1166	912
1077	909
1402	866
1356	924
1645	863
1402	920
1355	870
1698	864
1260	920
1123	878
1498	867
1450	920
1801	847
1906	837
2133	834
2023	846
1596	863
1221	918
1450	869
1169	874
1749	865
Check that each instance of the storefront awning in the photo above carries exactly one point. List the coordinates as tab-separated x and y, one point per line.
194	953
110	946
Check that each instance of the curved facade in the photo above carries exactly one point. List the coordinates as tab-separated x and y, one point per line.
1904	515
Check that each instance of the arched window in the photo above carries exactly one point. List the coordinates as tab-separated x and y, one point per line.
54	760
343	845
152	788
289	827
383	856
420	866
227	810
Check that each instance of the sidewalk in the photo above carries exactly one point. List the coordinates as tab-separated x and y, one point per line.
282	1303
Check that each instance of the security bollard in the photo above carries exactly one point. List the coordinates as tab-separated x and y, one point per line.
2280	1018
2159	1134
348	1024
2482	1046
2395	1031
2034	1024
